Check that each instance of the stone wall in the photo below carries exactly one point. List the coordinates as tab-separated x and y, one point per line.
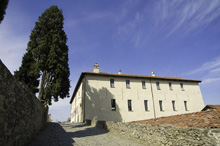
21	113
163	134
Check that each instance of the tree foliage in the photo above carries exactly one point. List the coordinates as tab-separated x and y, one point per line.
29	72
48	47
3	7
68	119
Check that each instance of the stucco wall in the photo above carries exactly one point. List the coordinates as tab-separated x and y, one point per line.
77	105
98	100
21	113
99	94
191	94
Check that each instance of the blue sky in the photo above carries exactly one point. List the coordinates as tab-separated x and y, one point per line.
177	38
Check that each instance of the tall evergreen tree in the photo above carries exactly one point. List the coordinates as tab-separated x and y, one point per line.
29	72
48	47
3	7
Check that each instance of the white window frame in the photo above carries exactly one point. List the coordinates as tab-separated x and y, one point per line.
128	84
146	105
143	85
113	104
174	105
112	83
129	105
181	86
158	85
185	105
161	105
170	86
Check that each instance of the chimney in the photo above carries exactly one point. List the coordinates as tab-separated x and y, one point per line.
152	74
119	72
96	68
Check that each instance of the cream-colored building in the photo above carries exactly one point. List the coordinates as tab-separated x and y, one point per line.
127	97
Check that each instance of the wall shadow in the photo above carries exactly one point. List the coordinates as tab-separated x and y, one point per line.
98	105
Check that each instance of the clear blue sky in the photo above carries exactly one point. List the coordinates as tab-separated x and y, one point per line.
179	38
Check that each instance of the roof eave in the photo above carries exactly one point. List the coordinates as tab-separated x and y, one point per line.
149	77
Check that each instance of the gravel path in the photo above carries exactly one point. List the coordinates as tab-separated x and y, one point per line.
80	135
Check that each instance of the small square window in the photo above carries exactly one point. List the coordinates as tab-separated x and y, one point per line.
170	86
113	104
158	85
143	85
129	105
161	105
146	105
127	83
112	83
181	86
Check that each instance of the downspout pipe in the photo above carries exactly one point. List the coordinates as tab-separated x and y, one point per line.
152	98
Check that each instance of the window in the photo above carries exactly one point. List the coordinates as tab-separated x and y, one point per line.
173	104
158	85
146	105
181	86
170	86
129	105
113	104
112	83
161	105
185	104
143	85
127	83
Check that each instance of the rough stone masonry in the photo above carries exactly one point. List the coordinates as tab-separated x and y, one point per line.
163	135
21	114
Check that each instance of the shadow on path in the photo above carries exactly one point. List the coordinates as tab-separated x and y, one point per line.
87	132
82	130
52	135
75	125
63	134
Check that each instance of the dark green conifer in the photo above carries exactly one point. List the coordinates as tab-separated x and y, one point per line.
29	72
48	46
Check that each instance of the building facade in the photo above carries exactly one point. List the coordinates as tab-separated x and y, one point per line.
125	97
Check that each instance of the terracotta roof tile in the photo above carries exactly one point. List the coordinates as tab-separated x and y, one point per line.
209	117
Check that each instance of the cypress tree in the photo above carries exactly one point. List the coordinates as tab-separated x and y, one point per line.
48	47
29	72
